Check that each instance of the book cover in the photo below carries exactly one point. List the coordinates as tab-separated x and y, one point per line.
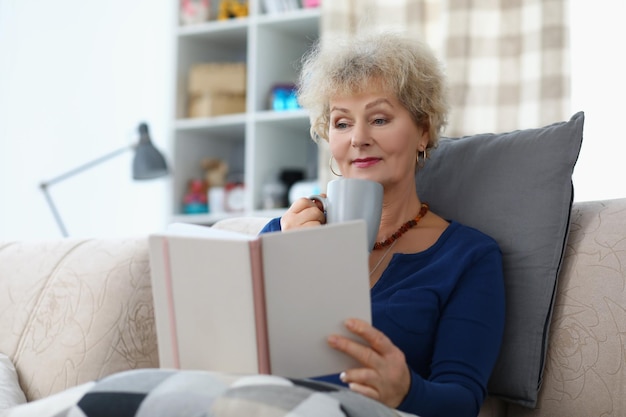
237	303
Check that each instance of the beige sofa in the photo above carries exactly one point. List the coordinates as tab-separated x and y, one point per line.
75	310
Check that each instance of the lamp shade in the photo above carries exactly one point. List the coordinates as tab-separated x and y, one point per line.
148	162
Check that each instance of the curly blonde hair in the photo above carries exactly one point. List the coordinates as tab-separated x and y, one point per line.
405	66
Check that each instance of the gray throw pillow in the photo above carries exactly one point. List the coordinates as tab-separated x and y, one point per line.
517	188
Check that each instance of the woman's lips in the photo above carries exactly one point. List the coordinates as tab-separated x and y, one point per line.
365	162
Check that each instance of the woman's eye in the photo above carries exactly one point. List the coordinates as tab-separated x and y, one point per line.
380	121
341	125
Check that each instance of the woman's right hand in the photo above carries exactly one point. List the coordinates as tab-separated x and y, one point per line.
304	212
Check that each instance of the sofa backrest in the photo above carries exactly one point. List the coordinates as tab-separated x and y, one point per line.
72	311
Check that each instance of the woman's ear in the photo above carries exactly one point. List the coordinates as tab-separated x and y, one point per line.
424	140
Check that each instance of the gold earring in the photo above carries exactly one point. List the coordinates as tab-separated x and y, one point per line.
330	164
420	162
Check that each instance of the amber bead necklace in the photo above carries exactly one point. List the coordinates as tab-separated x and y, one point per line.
403	229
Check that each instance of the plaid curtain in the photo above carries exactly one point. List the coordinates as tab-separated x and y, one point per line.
508	64
507	61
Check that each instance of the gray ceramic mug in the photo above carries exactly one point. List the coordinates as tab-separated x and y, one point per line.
353	199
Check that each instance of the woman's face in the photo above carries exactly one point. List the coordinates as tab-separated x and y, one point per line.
373	136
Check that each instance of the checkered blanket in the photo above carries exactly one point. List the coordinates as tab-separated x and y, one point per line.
172	393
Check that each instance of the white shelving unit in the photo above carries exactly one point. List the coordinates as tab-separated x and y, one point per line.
259	143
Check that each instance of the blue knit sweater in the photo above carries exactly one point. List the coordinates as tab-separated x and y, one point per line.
444	308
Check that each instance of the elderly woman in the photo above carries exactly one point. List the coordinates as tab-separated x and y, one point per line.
436	285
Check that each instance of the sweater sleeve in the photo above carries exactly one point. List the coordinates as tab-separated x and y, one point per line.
466	347
272	226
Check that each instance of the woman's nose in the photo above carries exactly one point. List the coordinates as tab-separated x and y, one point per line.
360	136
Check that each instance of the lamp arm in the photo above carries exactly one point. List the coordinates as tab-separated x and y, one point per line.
54	210
86	166
44	185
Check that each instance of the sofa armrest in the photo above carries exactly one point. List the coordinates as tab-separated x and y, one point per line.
585	364
75	310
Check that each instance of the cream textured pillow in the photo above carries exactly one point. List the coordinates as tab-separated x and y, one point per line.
245	225
11	393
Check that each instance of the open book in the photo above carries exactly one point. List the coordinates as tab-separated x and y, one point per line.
231	302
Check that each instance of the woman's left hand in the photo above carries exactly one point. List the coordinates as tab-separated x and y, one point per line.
385	375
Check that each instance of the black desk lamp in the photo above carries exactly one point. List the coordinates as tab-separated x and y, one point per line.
148	163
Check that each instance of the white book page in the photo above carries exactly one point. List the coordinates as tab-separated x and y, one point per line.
168	353
207	290
315	279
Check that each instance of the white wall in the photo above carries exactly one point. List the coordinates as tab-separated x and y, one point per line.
76	78
599	89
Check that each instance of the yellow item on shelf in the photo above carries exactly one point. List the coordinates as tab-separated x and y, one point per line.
232	8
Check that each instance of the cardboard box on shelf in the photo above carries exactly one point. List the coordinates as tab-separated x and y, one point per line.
217	78
208	105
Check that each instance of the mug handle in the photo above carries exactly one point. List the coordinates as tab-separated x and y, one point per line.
322	200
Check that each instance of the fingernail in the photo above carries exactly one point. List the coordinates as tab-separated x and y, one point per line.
332	340
350	324
342	376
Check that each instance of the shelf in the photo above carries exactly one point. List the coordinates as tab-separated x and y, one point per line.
231	124
257	145
211	218
294	22
270	116
219	31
